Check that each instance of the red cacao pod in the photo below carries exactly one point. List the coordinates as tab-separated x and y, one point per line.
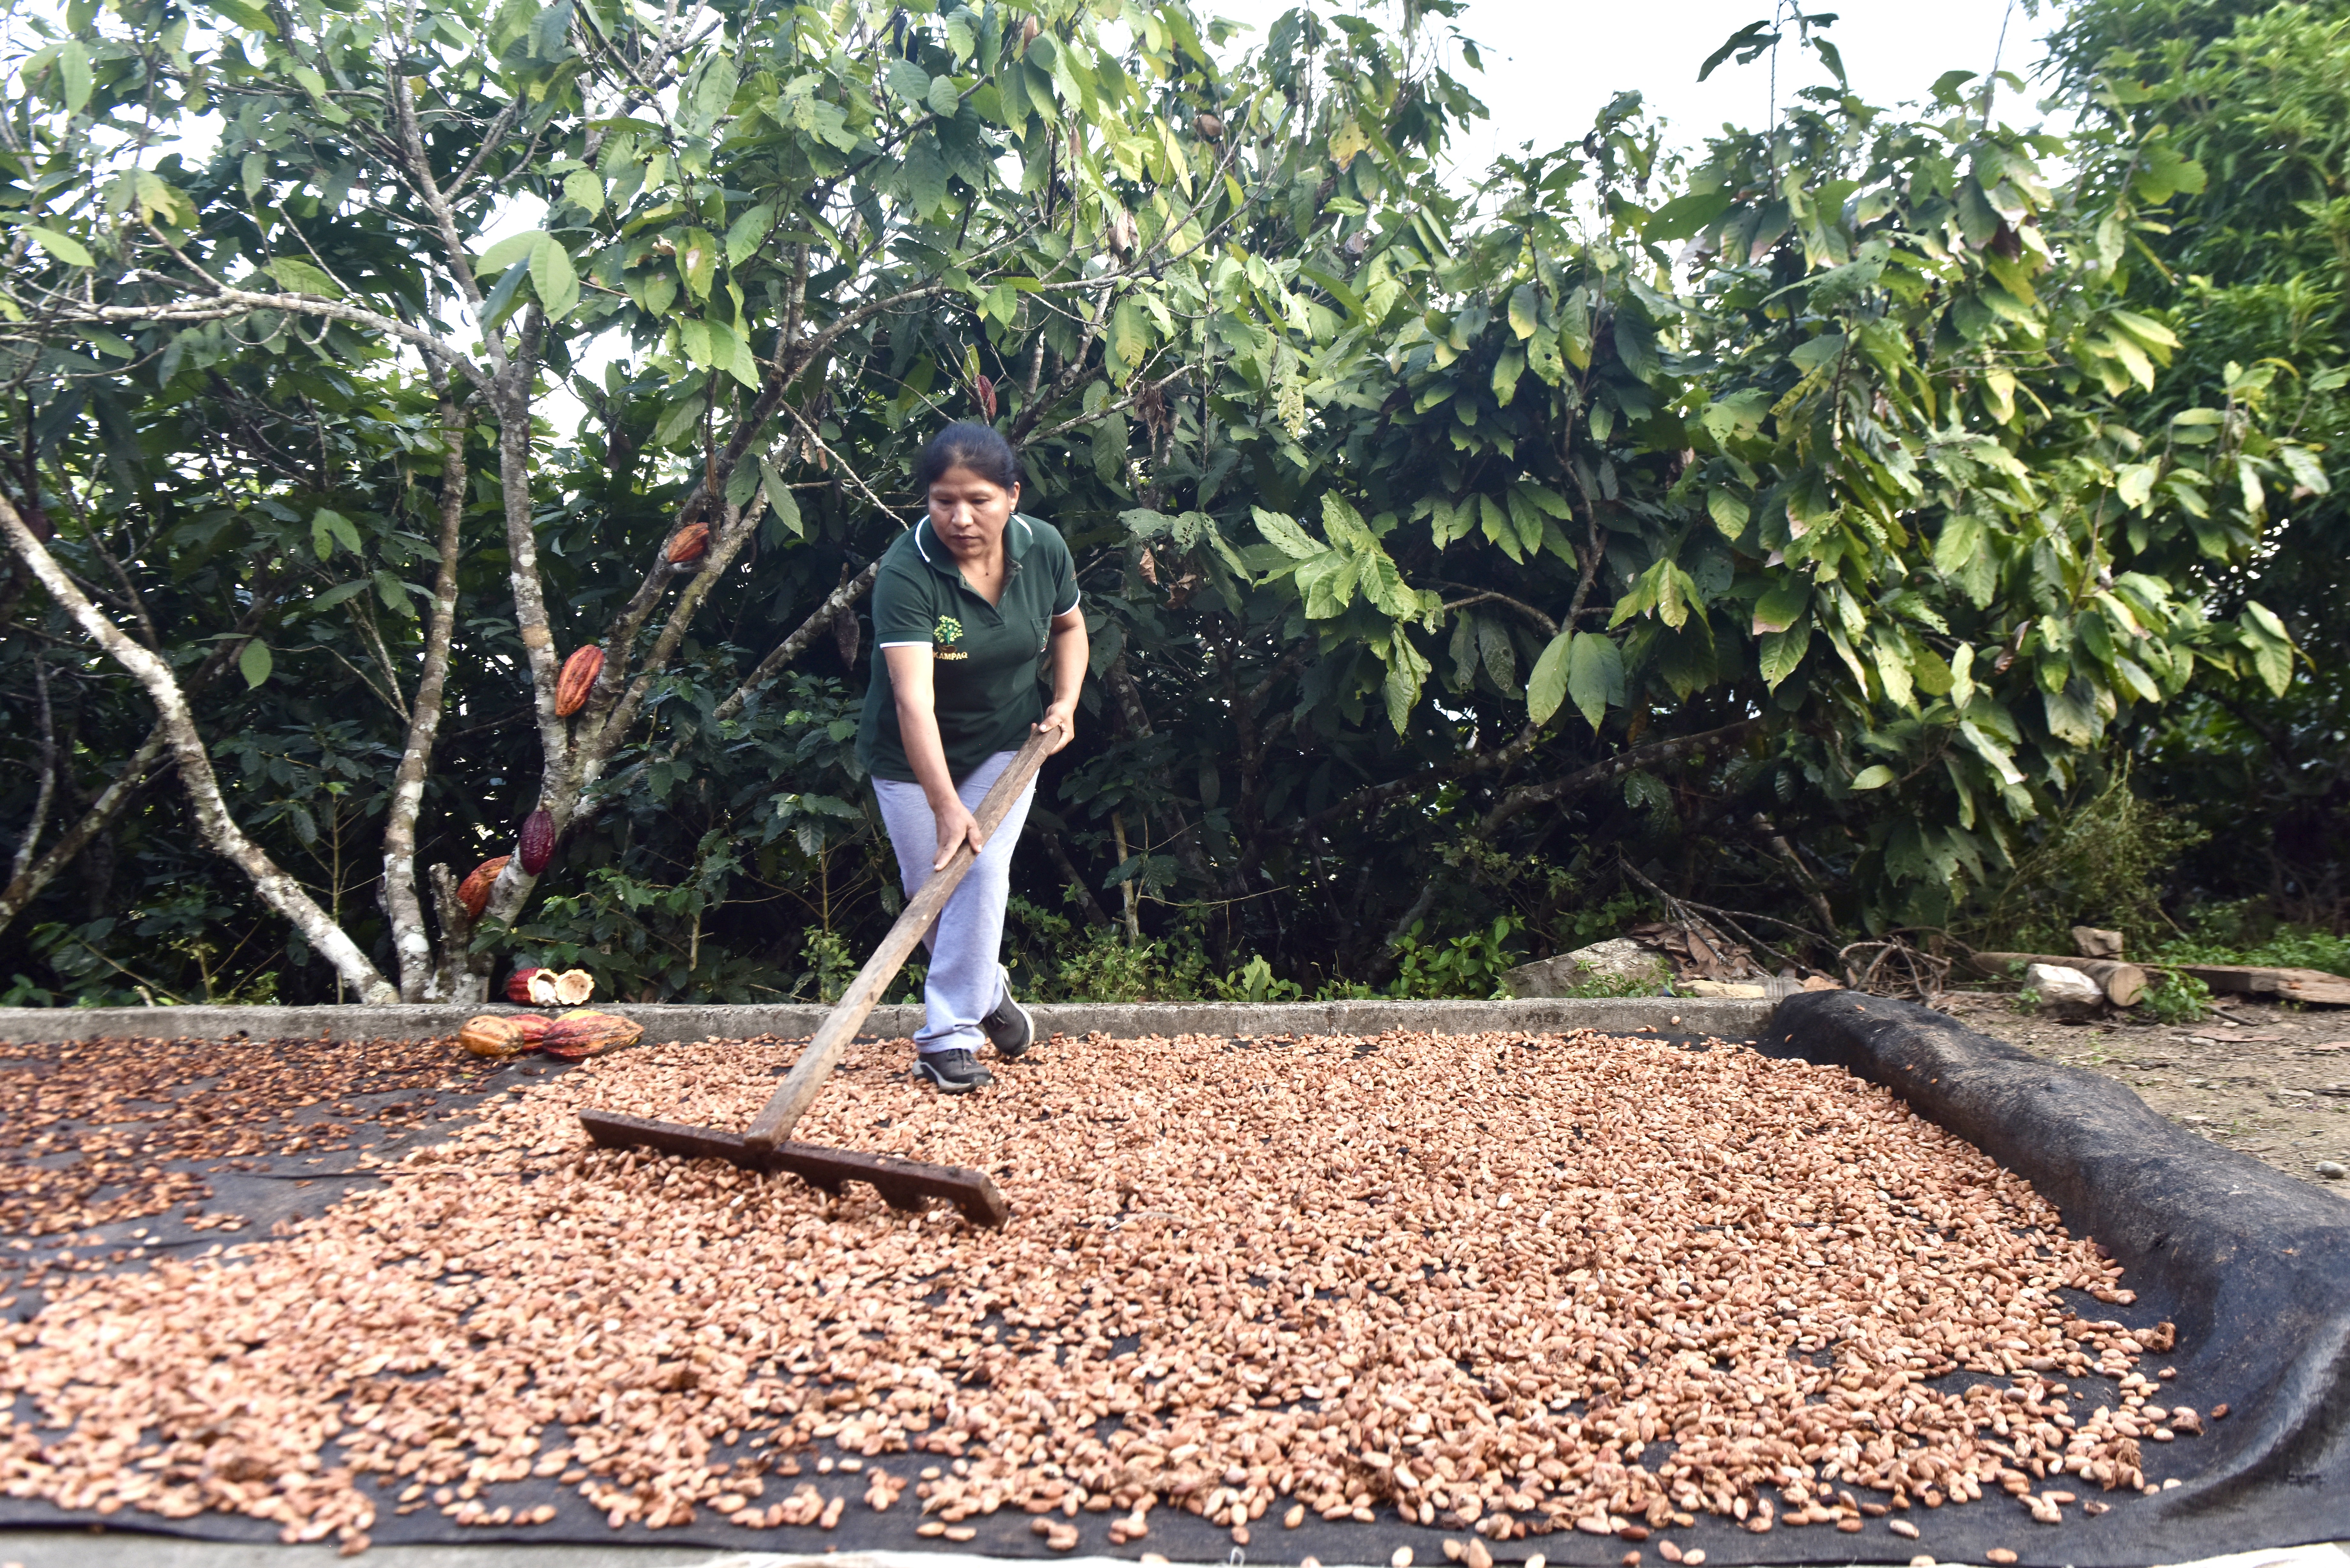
518	985
986	390
533	1027
689	544
537	841
578	679
473	892
587	1034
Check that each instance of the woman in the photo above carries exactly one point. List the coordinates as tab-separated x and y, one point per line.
967	605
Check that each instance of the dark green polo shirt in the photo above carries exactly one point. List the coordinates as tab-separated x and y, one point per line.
985	658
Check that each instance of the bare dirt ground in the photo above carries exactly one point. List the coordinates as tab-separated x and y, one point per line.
2272	1081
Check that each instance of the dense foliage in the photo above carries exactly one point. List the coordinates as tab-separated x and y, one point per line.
1798	532
2254	269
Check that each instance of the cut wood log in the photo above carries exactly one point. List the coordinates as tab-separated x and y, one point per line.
2122	983
2303	985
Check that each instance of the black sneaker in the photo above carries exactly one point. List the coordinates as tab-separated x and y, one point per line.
1009	1028
955	1072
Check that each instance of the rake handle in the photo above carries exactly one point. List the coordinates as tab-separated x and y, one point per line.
798	1090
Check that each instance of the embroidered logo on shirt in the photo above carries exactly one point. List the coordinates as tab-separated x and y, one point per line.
949	629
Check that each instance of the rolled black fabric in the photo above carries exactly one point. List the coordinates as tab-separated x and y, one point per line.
2252	1264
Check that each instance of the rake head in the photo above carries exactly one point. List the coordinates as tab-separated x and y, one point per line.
905	1184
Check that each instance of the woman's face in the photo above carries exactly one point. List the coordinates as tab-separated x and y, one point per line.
969	510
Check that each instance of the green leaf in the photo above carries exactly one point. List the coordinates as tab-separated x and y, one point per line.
1818	352
784	507
697	262
1875	776
1595	676
1283	535
394	594
743	234
1525	311
1547	687
1727	510
583	190
299	277
64	247
910	82
73	70
1782	652
508	251
1783	605
1990	752
2303	464
255	663
551	276
1684	217
926	176
942	98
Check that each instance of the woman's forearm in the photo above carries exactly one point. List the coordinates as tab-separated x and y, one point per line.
1071	648
915	700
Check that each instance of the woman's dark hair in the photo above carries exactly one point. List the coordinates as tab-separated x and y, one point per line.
967	444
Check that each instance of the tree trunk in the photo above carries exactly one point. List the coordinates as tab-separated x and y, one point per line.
25	885
219	829
408	938
48	791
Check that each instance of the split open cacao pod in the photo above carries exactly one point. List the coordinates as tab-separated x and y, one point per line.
587	1034
578	679
572	987
537	841
689	544
473	892
521	984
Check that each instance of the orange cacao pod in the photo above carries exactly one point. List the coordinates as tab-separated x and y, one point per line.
578	679
518	985
473	892
691	544
491	1036
537	842
587	1034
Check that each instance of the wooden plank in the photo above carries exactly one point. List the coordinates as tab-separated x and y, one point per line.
798	1090
2257	979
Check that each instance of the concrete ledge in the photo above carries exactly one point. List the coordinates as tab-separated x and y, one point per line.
1727	1018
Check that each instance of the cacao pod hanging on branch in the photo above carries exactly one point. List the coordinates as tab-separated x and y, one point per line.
473	892
983	390
578	679
690	545
537	841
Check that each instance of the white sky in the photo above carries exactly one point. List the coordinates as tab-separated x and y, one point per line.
1551	65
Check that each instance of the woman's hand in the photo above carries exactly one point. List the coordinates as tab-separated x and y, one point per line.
956	824
1061	716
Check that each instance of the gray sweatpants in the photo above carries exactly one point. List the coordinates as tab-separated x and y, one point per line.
966	978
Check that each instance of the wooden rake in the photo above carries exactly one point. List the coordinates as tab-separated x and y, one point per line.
767	1145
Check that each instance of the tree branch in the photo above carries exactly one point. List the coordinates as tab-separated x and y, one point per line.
219	830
